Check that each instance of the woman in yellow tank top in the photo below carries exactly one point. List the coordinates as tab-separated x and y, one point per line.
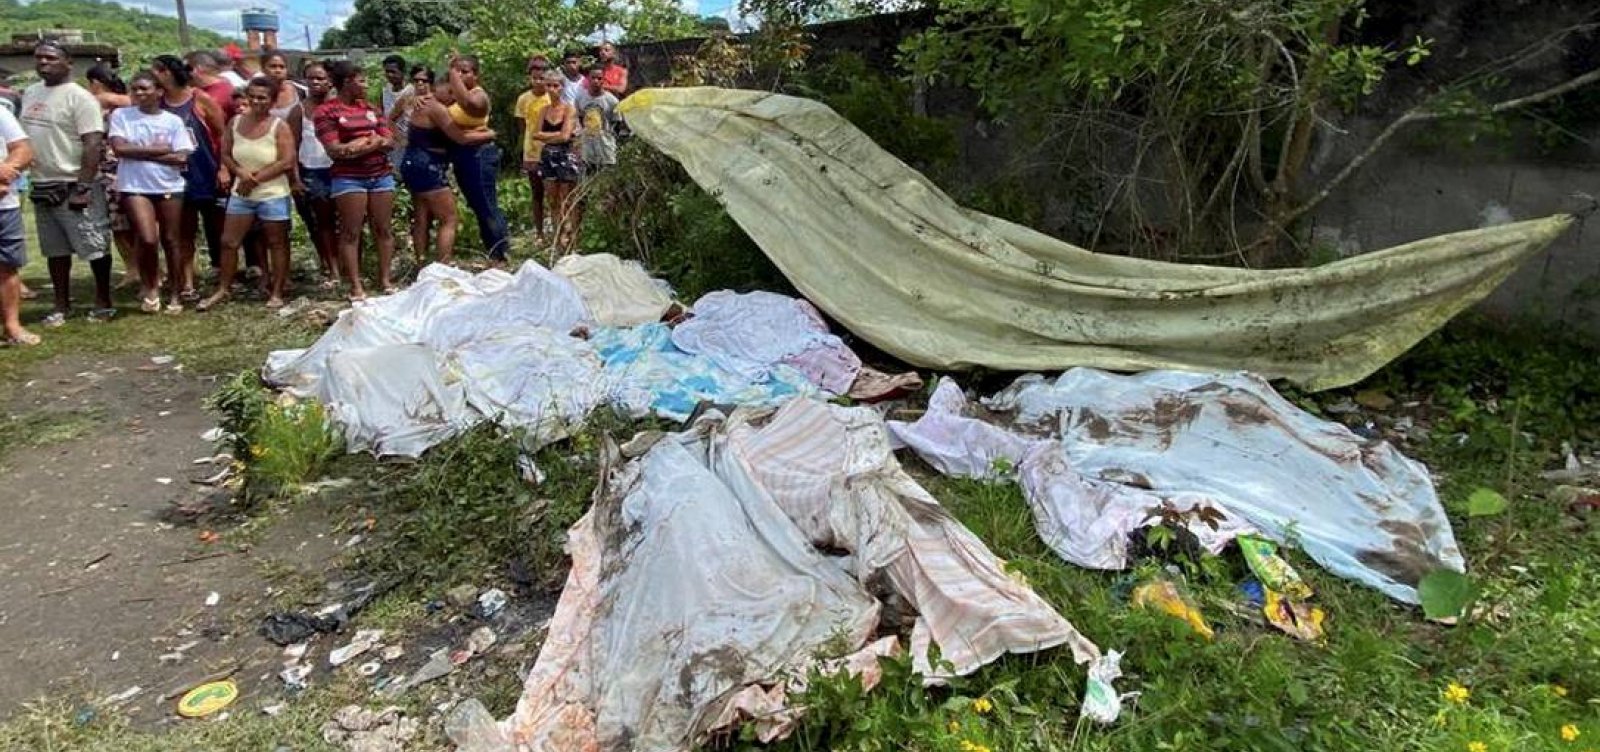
477	165
259	151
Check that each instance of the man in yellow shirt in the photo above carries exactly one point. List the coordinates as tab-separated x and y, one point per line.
528	111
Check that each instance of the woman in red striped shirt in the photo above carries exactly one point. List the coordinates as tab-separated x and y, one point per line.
358	140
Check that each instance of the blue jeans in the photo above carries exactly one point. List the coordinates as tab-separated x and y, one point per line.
380	184
476	168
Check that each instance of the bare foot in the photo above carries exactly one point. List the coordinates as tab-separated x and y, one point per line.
212	302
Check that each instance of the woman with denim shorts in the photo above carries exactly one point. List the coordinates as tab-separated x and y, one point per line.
426	165
258	150
358	139
204	176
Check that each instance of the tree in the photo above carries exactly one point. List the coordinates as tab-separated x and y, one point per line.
137	36
1193	121
396	23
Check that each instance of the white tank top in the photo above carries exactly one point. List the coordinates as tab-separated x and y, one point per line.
313	155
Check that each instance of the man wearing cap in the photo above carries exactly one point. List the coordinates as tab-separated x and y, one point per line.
65	128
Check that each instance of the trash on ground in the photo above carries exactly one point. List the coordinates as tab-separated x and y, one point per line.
889	255
392	653
1296	618
365	639
1261	555
491	602
213	598
1114	448
356	729
208	698
214	434
121	697
462	596
294	675
162	360
727	537
1164	596
1101	702
437	666
290	627
370	668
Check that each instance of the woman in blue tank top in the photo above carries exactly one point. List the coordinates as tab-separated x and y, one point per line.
205	177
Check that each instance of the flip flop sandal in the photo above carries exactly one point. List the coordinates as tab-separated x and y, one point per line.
26	339
173	308
54	320
150	305
189	296
102	315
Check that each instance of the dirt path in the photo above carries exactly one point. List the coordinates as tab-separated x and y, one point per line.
98	594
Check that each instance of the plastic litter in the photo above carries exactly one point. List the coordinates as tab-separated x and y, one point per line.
491	602
481	640
438	665
208	698
1275	573
370	668
213	598
1164	596
121	697
288	627
1296	618
294	676
1101	702
357	729
365	639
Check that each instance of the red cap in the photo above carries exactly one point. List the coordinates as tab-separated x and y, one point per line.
233	52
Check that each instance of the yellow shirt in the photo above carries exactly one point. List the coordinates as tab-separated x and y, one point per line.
466	121
530	110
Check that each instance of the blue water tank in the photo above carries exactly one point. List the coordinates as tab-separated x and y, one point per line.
259	19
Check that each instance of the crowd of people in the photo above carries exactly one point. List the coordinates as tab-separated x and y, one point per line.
217	149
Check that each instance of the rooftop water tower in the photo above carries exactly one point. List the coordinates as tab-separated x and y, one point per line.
260	28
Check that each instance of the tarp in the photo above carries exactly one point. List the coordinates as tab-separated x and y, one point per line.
1099	454
717	567
886	253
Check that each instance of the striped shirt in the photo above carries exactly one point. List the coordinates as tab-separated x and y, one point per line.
340	123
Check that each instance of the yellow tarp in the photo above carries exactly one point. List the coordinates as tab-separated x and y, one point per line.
884	251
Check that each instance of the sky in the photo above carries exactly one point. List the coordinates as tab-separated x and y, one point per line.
294	16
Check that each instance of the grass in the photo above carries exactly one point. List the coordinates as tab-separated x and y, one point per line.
44	427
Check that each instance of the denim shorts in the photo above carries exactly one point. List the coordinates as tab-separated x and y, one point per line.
13	246
423	172
318	182
342	186
266	210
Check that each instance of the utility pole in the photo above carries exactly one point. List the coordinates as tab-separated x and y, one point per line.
309	47
183	27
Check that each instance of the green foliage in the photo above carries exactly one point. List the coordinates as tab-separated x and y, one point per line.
291	444
1485	502
278	445
240	402
880	105
646	207
388	24
467	509
1445	594
138	36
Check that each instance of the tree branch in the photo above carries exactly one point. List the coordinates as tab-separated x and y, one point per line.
1421	114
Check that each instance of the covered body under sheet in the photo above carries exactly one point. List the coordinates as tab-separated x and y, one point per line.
717	567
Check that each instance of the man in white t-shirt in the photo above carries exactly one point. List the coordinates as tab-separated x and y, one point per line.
15	155
64	124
